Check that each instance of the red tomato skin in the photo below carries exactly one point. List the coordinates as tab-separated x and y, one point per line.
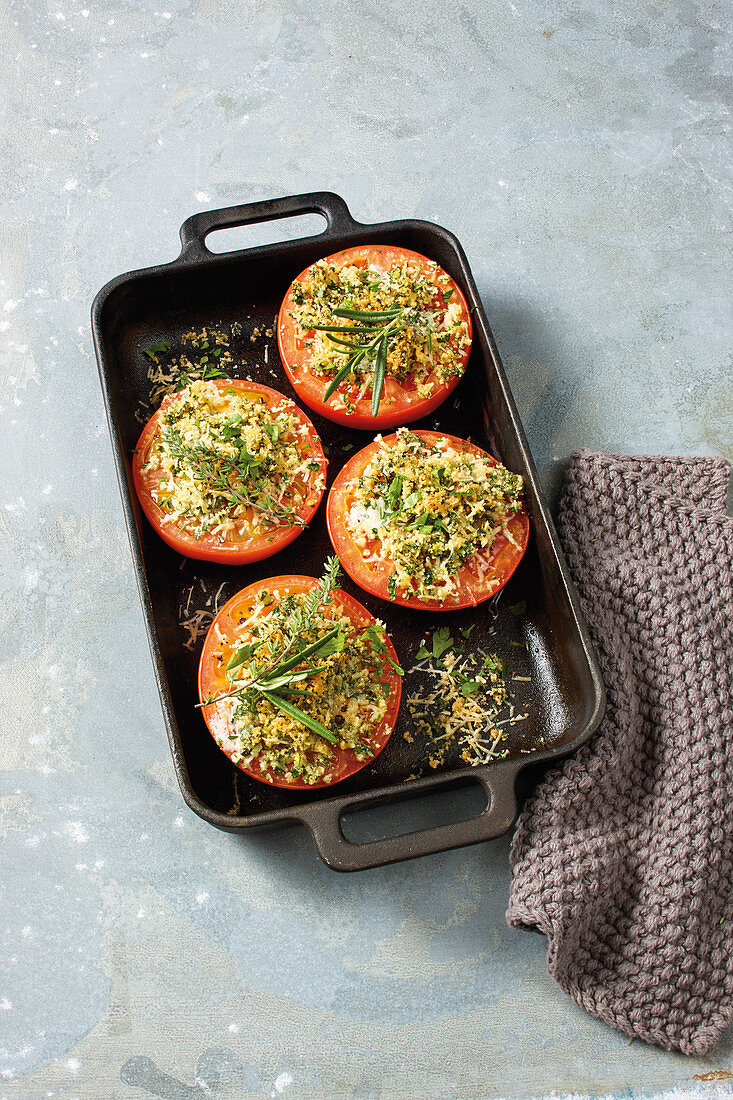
400	403
207	548
212	681
503	556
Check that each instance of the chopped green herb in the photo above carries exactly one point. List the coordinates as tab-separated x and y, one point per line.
394	491
239	657
300	716
154	350
442	642
375	636
494	664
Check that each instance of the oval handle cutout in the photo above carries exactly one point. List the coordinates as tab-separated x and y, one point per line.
236	237
465	800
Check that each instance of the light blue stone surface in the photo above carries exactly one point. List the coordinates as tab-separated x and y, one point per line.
580	152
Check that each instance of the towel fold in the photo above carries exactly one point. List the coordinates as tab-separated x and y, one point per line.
623	856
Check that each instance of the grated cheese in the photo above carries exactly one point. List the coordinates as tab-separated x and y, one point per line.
461	709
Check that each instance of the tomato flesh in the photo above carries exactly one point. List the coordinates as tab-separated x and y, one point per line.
479	579
235	549
400	402
222	640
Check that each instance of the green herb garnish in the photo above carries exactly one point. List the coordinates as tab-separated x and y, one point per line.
375	636
368	339
155	349
283	679
442	642
233	480
299	715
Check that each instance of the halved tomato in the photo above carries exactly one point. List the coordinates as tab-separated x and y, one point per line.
431	372
233	628
289	515
483	573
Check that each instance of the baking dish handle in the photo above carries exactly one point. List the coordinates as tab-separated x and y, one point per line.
196	229
324	822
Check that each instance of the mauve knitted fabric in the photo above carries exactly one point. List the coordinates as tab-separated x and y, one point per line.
623	856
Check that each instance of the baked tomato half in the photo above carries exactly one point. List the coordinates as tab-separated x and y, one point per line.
300	685
374	336
427	520
229	471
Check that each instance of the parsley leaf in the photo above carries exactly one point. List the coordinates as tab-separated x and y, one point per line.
518	608
494	664
442	641
376	636
155	349
246	460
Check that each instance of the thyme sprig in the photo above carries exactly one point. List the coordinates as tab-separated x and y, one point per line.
368	340
225	475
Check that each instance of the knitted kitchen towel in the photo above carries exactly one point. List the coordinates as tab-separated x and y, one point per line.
623	856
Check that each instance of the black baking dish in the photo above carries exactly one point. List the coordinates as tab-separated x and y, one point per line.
564	693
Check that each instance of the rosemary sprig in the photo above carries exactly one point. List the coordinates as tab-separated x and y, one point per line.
351	363
300	716
379	370
367	314
370	340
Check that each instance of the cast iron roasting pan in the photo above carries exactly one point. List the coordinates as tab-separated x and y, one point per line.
546	642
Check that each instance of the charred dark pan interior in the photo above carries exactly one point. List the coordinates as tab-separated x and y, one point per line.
548	644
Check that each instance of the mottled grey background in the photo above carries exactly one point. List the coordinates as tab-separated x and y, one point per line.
580	151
